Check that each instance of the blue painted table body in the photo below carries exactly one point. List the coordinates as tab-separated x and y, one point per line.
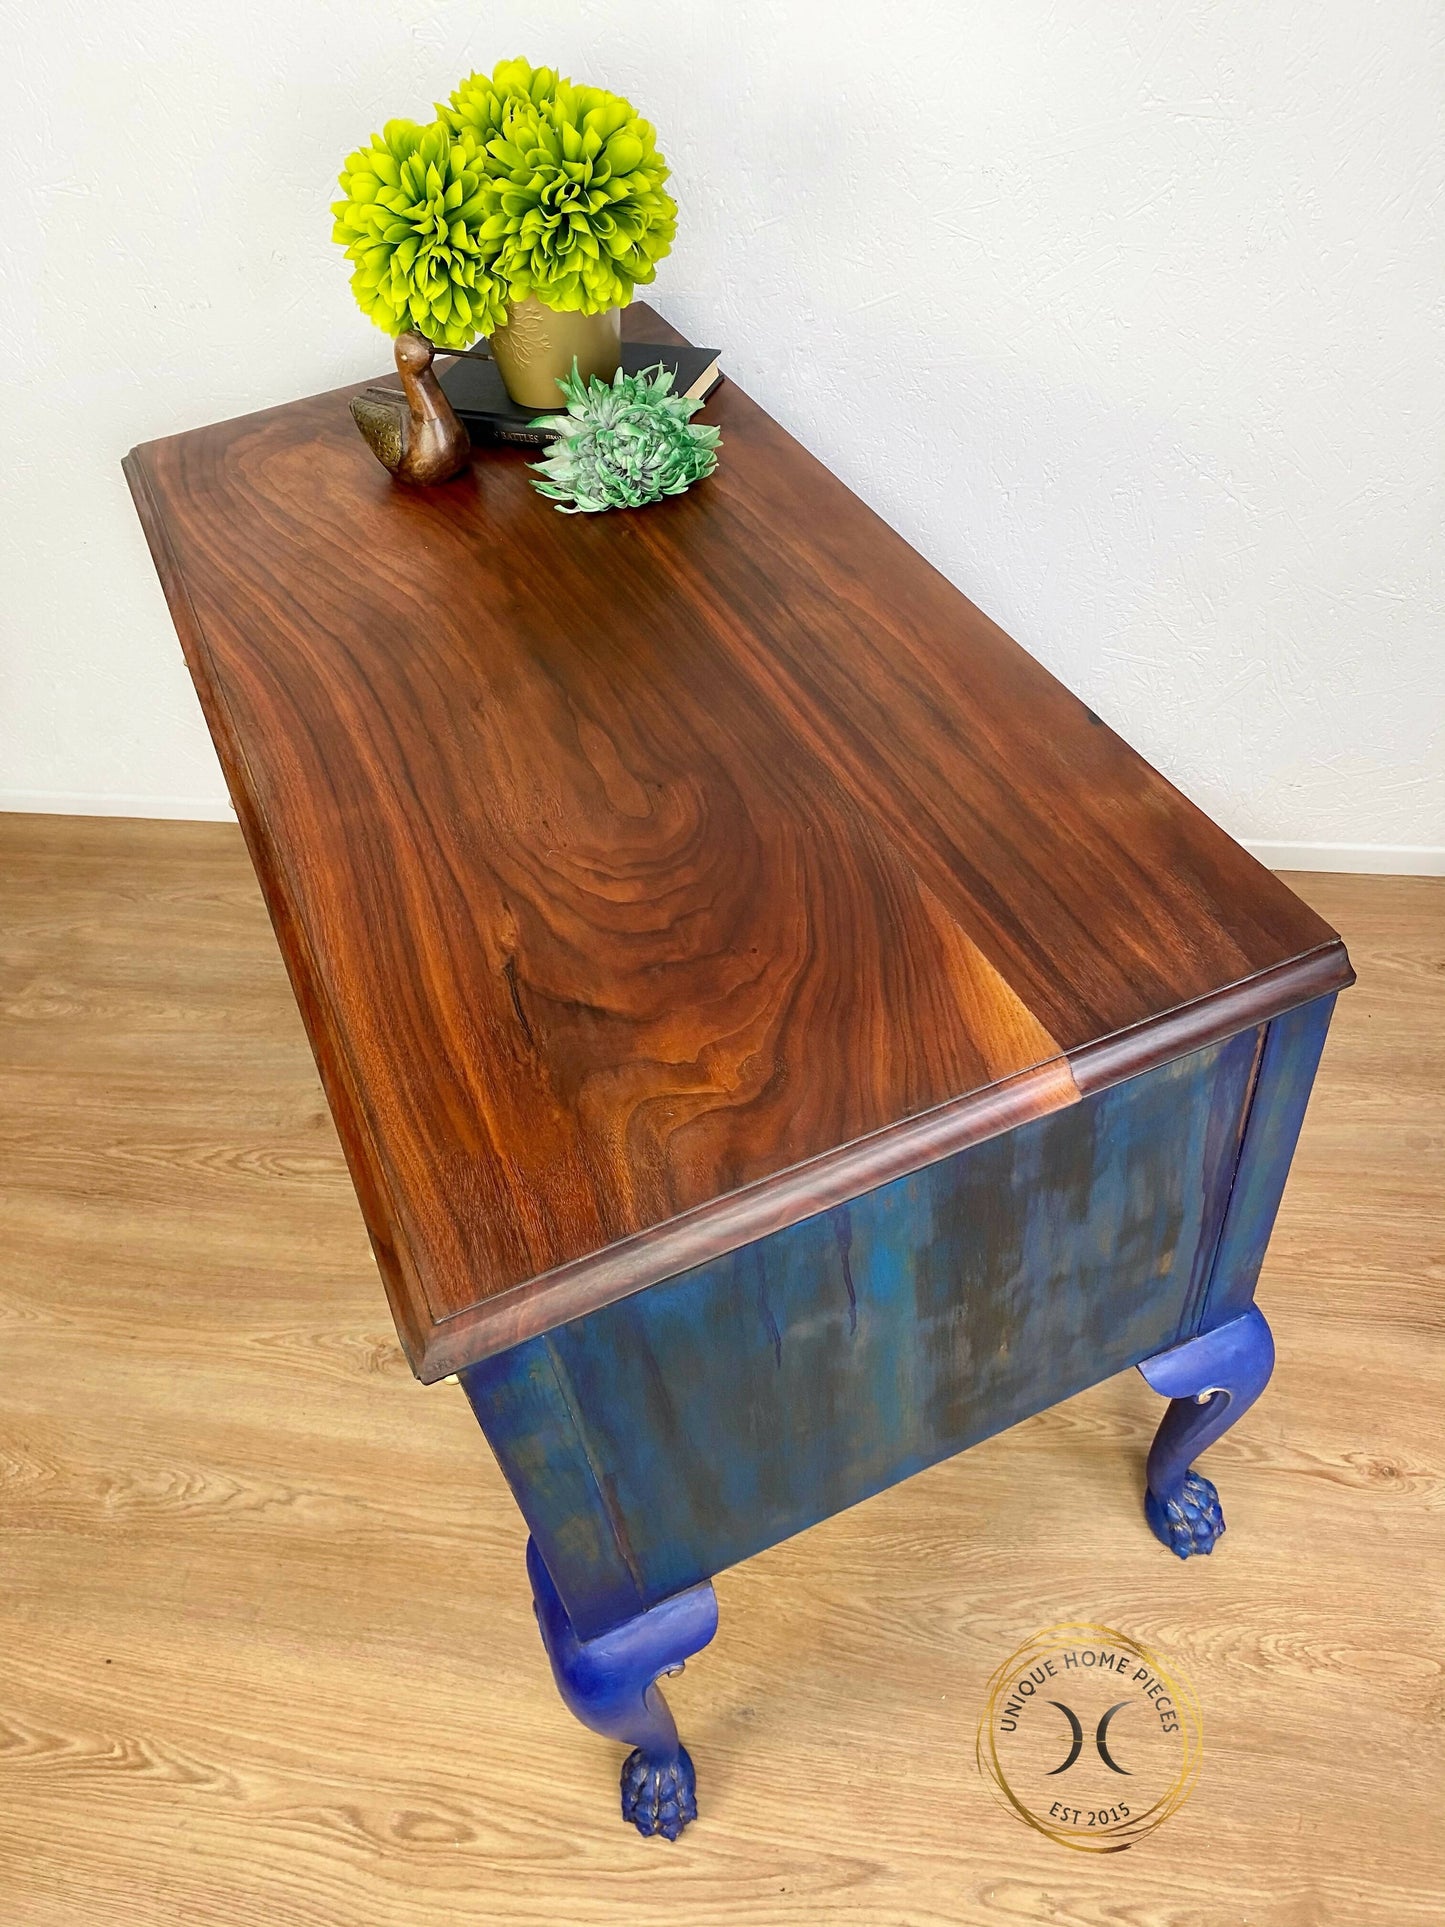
658	1440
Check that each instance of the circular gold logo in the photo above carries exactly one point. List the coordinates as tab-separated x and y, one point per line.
1090	1737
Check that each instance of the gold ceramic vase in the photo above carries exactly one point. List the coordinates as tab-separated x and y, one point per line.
537	347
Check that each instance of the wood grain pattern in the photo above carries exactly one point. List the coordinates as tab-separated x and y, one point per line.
269	1657
719	852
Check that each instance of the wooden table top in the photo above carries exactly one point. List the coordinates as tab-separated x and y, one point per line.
649	881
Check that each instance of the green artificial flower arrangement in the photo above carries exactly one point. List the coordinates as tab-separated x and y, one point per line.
623	443
577	211
524	185
410	223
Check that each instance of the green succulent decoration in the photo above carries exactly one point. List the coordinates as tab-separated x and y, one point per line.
409	221
524	185
576	206
623	443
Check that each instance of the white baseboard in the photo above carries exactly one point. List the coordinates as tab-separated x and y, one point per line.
1359	859
1353	859
190	809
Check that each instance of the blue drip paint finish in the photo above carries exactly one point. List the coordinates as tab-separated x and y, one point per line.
736	1404
521	1405
765	1310
1292	1047
843	1229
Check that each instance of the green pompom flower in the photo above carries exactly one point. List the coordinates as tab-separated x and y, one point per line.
576	209
623	444
481	101
409	222
523	185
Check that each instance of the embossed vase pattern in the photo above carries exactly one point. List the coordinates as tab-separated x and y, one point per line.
537	347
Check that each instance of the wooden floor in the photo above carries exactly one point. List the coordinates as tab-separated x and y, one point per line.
235	1534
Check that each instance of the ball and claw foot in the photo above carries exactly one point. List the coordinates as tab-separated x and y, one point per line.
610	1682
659	1798
1210	1381
1191	1521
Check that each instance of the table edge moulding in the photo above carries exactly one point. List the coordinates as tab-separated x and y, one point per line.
953	859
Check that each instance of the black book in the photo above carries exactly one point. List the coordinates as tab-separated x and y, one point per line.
473	385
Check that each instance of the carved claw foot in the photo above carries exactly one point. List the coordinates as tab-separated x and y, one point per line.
1210	1381
659	1798
1191	1521
610	1683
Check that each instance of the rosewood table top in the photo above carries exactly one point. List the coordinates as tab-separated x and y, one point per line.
650	881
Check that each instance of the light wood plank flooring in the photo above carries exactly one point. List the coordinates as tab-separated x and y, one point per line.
235	1535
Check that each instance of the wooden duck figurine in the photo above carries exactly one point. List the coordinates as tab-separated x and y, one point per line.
415	433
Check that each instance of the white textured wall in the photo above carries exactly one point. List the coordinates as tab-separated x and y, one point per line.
1126	314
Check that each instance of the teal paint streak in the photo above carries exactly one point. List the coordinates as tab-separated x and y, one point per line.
744	1400
1288	1062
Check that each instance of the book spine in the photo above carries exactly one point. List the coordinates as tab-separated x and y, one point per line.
518	437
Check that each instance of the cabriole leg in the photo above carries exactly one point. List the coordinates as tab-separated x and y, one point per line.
610	1684
1210	1381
